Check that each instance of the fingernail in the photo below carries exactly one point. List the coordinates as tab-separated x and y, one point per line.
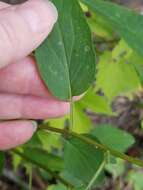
40	15
34	126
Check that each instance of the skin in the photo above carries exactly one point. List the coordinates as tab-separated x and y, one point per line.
23	95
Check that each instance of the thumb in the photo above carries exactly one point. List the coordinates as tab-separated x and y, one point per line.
23	27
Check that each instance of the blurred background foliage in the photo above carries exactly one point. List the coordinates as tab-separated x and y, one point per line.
111	111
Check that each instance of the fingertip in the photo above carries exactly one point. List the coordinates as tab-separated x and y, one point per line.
24	27
40	15
15	133
65	108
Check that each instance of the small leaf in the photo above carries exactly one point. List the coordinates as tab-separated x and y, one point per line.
66	59
116	169
81	122
113	137
96	103
126	22
82	160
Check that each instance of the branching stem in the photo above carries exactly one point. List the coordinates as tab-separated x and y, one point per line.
94	143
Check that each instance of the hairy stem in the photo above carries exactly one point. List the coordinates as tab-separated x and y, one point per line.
92	142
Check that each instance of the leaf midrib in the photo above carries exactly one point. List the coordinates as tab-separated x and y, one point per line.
66	58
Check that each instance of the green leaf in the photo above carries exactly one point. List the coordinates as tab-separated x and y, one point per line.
82	160
127	23
121	50
43	159
113	137
137	62
57	187
130	56
2	159
117	169
66	60
96	103
50	141
135	178
116	77
100	26
81	122
61	187
16	160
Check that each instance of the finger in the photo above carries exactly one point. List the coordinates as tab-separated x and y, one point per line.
23	27
3	5
22	78
15	133
30	107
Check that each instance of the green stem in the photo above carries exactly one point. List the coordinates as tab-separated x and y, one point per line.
55	175
101	167
71	113
30	177
92	142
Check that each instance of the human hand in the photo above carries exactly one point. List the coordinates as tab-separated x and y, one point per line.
23	95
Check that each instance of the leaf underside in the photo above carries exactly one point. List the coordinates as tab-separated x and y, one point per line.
66	60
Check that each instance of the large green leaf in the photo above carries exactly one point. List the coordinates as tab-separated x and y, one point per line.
82	160
66	59
113	137
127	23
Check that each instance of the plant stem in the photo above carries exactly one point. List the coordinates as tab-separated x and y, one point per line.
92	142
55	175
71	113
101	167
30	177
